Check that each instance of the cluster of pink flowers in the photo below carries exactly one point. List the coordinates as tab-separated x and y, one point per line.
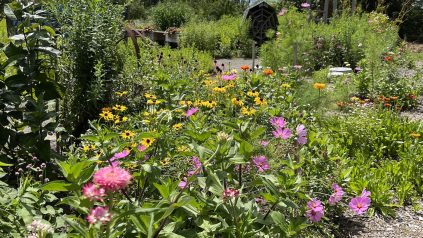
108	179
360	204
191	111
261	163
280	131
196	164
228	77
315	210
230	193
336	195
301	134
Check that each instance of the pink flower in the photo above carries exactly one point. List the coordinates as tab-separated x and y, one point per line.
196	162
302	134
278	122
337	195
141	148
359	205
283	12
122	154
315	216
305	5
229	77
183	183
112	178
191	111
261	163
282	133
315	210
230	193
99	214
264	143
297	67
365	193
93	192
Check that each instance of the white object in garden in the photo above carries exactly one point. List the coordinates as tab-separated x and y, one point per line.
339	71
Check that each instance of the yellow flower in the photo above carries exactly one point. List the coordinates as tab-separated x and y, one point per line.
355	99
146	114
88	147
124	119
149	96
146	121
165	161
127	134
415	135
185	103
147	142
98	154
219	89
231	84
237	102
319	86
120	108
177	126
253	93
208	104
107	115
153	102
248	111
286	86
260	101
106	109
182	149
120	94
209	82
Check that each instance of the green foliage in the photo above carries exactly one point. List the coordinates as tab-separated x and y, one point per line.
171	14
227	37
28	87
136	10
89	63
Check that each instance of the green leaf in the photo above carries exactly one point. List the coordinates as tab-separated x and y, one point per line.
246	148
9	12
59	186
4	164
163	190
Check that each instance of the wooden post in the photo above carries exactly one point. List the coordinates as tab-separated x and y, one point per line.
353	6
335	7
326	11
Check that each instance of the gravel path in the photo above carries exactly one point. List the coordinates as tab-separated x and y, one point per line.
236	63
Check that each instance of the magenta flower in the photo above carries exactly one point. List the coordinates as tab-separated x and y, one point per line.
122	154
337	194
282	133
278	122
112	178
230	193
282	12
196	162
365	193
191	111
183	183
141	148
229	77
305	5
315	210
99	214
261	163
359	205
301	134
93	192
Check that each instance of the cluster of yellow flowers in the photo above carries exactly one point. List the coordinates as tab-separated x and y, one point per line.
207	104
248	111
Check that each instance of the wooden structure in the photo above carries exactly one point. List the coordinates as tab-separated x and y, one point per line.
263	17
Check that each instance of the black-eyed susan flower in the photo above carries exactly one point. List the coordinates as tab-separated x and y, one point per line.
209	104
88	147
237	102
107	115
260	101
286	86
165	161
209	82
153	102
147	142
120	94
127	134
177	126
120	108
185	103
150	96
248	111
219	89
182	148
253	93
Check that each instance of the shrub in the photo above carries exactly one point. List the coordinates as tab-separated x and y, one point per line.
136	10
226	37
171	14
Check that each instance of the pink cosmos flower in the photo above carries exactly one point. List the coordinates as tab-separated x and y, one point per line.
191	111
261	163
112	178
278	122
261	201
305	5
315	216
302	134
365	193
93	192
283	12
282	133
264	143
229	77
337	195
315	210
230	193
141	148
122	154
183	183
359	205
99	214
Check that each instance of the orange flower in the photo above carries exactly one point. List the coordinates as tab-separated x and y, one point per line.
387	105
245	67
394	98
389	58
268	72
415	135
319	86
